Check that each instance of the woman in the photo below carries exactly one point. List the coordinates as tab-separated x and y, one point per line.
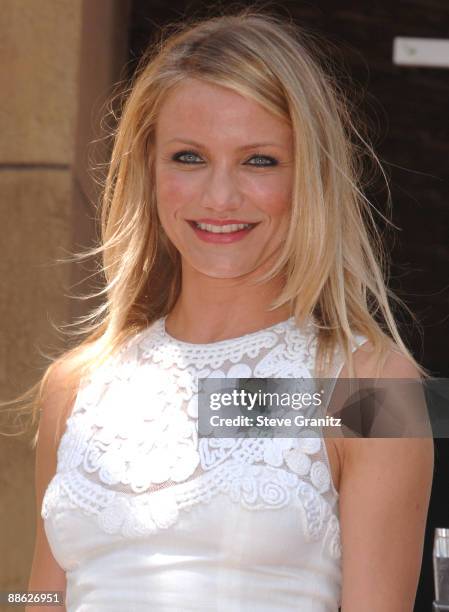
236	243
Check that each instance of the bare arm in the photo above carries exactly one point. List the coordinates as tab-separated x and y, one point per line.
384	497
46	573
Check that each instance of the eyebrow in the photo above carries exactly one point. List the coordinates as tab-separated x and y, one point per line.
253	145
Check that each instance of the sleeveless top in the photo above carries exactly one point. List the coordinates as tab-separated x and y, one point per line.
143	514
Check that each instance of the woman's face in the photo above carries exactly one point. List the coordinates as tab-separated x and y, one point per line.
222	160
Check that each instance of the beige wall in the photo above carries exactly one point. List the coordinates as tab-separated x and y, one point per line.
59	62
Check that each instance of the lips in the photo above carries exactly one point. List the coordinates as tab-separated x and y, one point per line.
209	221
222	237
227	228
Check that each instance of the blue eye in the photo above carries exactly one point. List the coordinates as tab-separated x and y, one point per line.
263	160
189	157
185	157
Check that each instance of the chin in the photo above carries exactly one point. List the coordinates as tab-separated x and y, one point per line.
217	272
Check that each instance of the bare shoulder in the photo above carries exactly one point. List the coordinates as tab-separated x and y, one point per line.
58	396
56	402
396	364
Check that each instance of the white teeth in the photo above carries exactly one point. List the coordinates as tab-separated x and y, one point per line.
222	229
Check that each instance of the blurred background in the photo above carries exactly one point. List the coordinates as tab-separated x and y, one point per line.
61	62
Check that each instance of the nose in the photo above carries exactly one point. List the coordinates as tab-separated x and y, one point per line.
221	191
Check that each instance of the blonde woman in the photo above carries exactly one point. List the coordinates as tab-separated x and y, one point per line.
236	242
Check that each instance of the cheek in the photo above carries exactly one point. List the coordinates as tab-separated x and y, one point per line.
173	192
272	194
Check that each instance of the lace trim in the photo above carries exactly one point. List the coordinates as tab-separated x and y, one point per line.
168	351
254	486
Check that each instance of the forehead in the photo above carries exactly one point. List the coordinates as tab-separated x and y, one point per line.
200	110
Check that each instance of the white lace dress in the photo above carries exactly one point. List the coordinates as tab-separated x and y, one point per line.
142	514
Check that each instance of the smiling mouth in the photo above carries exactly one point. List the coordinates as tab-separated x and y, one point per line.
231	228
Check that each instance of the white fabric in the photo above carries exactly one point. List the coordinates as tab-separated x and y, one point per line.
142	514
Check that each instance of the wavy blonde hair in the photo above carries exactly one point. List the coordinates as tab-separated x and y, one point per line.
333	258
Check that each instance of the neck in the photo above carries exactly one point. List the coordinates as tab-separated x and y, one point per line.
213	309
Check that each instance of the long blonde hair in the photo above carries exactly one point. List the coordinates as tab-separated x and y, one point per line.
333	258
